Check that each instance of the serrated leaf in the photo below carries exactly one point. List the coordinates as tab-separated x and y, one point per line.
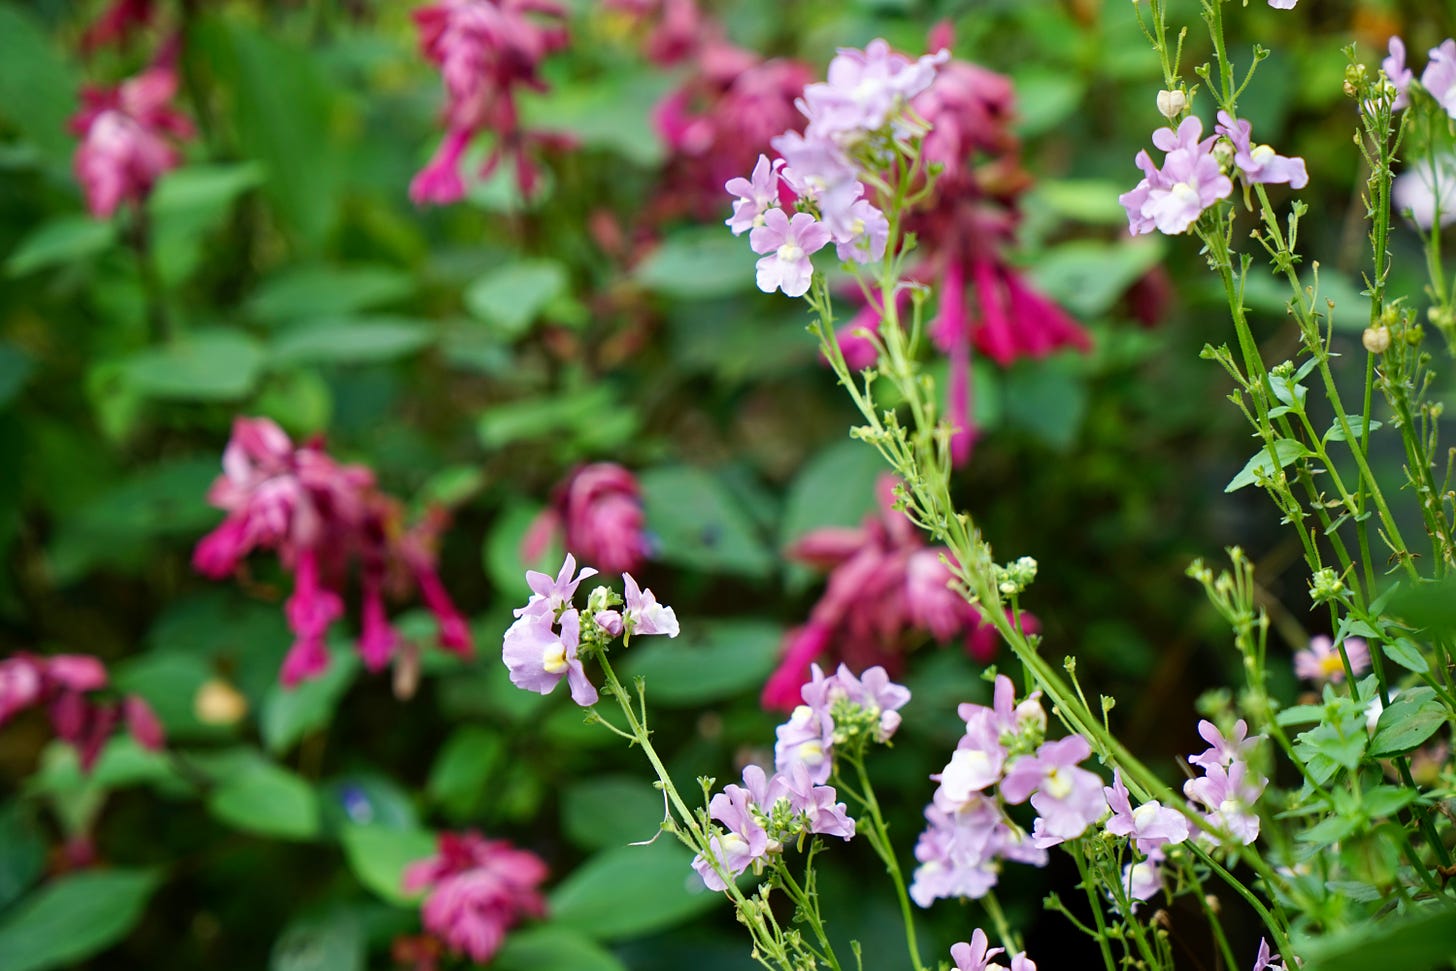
378	856
1286	451
73	917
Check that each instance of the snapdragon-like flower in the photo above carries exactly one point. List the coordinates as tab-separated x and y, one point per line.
1259	163
597	512
67	685
756	195
1191	180
539	655
789	243
1151	826
1399	75
1283	4
317	515
1223	750
977	956
1439	77
477	890
1067	798
1321	663
1426	192
129	136
1229	795
1266	960
864	89
644	615
838	709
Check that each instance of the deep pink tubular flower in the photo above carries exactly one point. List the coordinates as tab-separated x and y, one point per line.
598	513
886	592
477	890
1258	163
1321	663
317	515
486	51
66	685
129	137
117	24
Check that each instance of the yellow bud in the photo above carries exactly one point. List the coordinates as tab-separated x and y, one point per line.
219	703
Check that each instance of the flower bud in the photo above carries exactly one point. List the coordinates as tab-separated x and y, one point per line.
1172	103
1376	339
219	703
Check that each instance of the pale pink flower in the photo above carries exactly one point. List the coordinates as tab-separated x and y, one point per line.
788	244
1150	826
1321	663
1400	76
1439	77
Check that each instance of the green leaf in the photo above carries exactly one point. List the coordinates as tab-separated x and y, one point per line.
62	240
1382	801
351	340
1084	200
658	880
835	488
706	663
1300	714
551	948
169	681
1089	276
1047	398
37	82
462	770
73	917
22	851
1357	428
1408	941
378	856
327	291
591	415
259	797
510	297
288	714
1045	98
699	264
602	811
15	369
205	365
332	943
366	798
1429	604
699	524
1286	451
604	112
1407	654
1406	724
203	188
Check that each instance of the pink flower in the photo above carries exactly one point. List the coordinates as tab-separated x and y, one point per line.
597	511
1150	826
117	24
539	656
128	138
20	685
1224	751
477	890
1399	75
1320	662
756	194
1439	77
644	615
1190	181
1068	798
1258	163
789	243
1229	795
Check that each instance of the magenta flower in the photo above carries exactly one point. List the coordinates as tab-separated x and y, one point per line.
1258	163
789	243
128	138
477	890
1399	75
117	24
539	656
1150	826
597	511
1439	77
1321	663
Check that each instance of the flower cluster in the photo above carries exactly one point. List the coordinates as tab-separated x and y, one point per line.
885	587
850	117
840	712
317	515
1002	760
66	685
544	644
976	956
1321	663
485	50
129	137
1228	788
477	890
597	511
1196	173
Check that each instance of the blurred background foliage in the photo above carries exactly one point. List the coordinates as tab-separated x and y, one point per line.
472	355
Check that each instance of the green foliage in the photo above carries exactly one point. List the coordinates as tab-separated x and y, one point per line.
655	878
73	917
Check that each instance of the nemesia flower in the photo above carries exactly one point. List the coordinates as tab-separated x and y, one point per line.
755	195
1191	180
1321	663
549	595
316	516
789	243
644	615
1400	75
1150	826
1223	750
486	50
1265	960
539	656
1258	163
66	684
1143	879
976	956
128	137
1283	4
1067	798
1426	192
597	510
476	890
1229	795
1439	77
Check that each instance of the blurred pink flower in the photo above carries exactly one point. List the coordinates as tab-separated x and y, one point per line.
117	23
597	512
476	890
486	50
1320	662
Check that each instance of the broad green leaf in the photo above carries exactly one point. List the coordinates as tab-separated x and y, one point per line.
332	943
1357	428
1407	654
1045	97
1427	605
350	340
288	714
658	880
202	188
1408	941
462	770
1286	451
708	662
22	851
502	550
378	856
62	240
1046	398
204	365
835	488
591	416
73	917
308	293
604	811
1088	276
1406	724
169	681
1085	200
510	297
1383	801
699	524
366	798
300	401
552	948
604	112
38	84
15	370
259	797
698	264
